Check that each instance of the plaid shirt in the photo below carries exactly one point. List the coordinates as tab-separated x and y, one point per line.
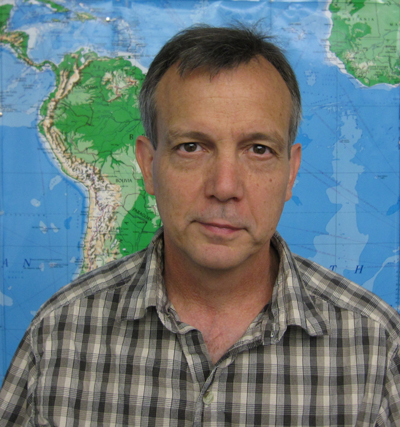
109	350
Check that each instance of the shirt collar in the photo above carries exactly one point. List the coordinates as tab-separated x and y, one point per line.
291	304
146	288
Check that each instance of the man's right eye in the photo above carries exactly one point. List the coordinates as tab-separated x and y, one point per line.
189	147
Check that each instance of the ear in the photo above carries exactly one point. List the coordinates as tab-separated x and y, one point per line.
295	160
145	155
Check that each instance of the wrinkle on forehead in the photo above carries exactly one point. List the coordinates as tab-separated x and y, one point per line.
242	83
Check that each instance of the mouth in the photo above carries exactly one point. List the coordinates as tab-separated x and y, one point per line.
220	228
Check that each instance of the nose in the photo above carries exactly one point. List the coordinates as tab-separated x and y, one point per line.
224	180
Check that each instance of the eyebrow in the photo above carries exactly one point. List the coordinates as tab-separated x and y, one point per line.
176	134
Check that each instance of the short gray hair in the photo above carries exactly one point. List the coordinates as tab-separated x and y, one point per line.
215	49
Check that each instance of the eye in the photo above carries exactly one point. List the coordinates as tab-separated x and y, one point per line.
260	149
189	147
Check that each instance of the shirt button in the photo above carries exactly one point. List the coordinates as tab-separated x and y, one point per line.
208	397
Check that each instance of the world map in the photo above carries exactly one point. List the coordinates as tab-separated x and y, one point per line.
72	196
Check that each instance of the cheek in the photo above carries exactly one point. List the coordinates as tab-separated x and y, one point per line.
179	185
270	197
175	194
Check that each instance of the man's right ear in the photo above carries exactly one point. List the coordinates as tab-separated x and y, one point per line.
145	156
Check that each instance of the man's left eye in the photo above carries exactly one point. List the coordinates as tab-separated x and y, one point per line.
259	149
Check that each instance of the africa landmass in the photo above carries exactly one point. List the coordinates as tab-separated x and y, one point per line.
365	37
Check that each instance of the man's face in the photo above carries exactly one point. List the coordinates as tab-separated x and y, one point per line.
221	172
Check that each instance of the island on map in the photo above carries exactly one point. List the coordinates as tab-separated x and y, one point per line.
364	37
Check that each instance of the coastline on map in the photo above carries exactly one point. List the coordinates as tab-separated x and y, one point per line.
133	61
331	57
80	187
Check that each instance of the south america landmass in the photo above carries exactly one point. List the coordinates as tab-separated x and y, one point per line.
91	121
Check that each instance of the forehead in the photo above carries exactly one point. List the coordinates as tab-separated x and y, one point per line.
248	93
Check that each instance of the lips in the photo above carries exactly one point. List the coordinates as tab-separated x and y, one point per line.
220	228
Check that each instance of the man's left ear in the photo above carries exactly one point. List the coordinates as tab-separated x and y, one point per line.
295	160
144	156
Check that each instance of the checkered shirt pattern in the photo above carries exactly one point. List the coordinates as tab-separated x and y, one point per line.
109	350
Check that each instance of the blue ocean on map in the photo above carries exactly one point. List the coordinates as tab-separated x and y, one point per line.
42	219
40	244
345	206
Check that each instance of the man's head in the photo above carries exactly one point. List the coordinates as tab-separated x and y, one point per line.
214	49
224	164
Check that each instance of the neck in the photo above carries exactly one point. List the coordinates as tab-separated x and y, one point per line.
221	305
218	290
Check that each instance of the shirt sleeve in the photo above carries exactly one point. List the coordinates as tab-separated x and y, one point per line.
15	397
389	414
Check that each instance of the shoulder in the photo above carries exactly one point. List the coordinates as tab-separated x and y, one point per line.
346	297
98	283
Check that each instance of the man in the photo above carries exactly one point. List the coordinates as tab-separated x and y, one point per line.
216	323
